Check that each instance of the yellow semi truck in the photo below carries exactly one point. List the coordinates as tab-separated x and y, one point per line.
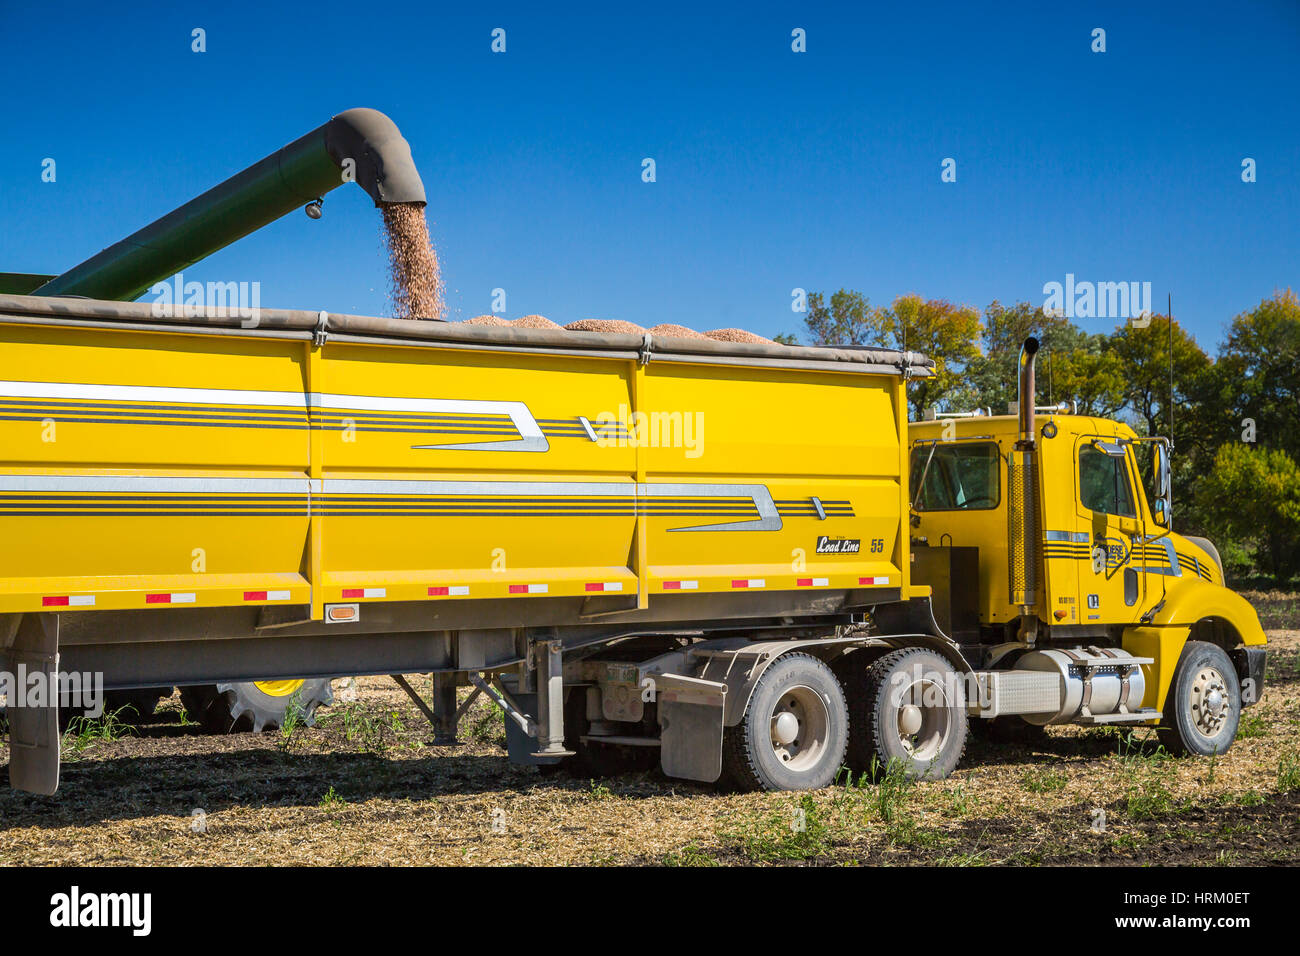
737	558
727	554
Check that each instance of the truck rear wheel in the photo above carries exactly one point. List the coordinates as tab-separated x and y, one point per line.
1204	702
254	705
908	707
794	732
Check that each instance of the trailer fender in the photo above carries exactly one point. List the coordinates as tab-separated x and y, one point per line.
738	664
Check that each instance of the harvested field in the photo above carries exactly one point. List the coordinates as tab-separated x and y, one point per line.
366	786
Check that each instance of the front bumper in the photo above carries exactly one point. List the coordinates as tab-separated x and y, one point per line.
1250	663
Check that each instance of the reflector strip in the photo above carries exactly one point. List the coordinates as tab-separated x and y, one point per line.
749	583
169	598
873	580
266	595
528	588
604	585
814	582
452	590
681	585
365	592
68	600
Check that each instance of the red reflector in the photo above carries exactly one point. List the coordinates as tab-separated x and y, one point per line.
254	595
54	602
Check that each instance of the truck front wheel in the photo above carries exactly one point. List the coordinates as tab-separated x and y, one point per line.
794	732
1204	702
909	708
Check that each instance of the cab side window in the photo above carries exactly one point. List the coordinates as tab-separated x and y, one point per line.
958	477
1103	483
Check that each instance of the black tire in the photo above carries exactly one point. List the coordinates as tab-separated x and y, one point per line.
876	697
244	706
756	756
1203	707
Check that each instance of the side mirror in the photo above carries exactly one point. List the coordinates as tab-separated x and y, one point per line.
1162	507
1162	471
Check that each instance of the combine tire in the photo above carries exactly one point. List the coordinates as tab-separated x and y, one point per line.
254	705
1204	702
794	732
907	707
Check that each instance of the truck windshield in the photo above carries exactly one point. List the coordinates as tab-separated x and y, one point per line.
961	476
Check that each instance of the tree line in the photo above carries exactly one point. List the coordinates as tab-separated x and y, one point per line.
1234	416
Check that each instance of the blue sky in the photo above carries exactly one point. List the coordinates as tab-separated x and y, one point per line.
775	170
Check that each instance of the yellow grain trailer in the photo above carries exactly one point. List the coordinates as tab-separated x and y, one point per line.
189	499
633	545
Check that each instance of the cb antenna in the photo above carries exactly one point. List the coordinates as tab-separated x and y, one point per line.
1170	309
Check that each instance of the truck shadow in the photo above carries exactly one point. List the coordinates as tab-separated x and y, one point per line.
132	787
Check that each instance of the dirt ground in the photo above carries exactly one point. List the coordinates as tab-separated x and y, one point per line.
366	786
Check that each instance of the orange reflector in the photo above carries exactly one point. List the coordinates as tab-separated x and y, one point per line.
338	613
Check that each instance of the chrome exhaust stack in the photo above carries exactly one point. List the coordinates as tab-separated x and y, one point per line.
1023	533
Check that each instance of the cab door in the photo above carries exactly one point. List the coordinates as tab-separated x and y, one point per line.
1111	589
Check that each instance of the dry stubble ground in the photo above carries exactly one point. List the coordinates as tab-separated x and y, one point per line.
366	786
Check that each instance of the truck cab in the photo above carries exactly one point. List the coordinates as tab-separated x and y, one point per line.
1045	529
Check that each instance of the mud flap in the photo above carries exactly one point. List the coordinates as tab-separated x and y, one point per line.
34	730
690	726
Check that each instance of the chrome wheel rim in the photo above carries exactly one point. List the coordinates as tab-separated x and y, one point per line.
1210	704
799	728
923	719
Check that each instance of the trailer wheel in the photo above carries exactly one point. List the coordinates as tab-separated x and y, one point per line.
1204	702
794	732
254	705
908	707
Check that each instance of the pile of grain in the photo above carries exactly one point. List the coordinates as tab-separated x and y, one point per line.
486	320
414	277
534	322
737	335
607	326
668	330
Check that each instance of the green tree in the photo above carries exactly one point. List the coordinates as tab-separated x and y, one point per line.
944	332
786	338
847	319
1143	355
1072	365
1256	380
1250	501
